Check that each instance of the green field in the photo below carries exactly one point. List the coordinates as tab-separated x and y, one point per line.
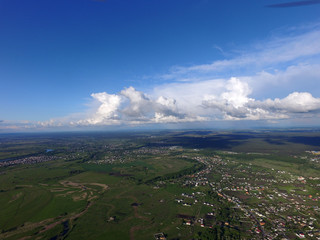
127	187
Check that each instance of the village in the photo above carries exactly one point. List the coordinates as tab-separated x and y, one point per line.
271	203
259	193
28	160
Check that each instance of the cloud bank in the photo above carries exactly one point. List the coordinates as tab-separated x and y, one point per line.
127	107
230	101
271	80
235	104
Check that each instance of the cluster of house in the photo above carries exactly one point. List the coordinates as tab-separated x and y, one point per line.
115	156
29	160
315	157
269	205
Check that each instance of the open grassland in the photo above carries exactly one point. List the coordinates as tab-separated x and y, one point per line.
64	198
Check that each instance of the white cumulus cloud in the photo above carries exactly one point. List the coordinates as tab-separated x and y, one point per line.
222	99
132	107
296	102
235	103
107	111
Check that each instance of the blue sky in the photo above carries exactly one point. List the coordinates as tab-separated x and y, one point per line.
125	63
